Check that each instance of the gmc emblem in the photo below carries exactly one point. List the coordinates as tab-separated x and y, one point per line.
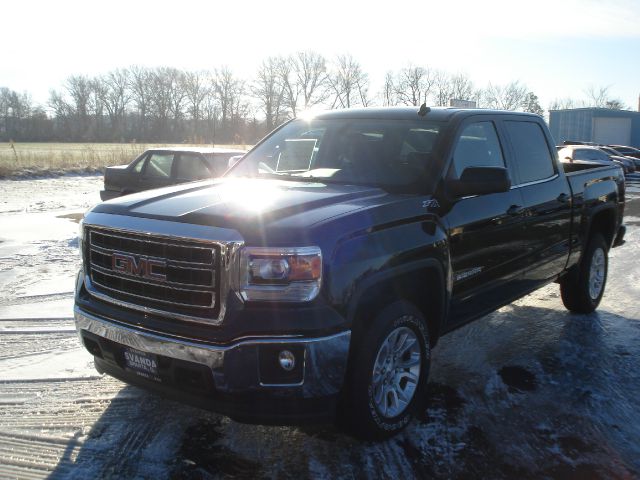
141	267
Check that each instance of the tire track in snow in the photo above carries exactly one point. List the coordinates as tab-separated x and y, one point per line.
23	337
22	300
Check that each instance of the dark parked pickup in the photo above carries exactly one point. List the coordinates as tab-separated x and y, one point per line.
585	154
313	279
160	167
628	152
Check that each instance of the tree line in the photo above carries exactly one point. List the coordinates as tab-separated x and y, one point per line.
166	104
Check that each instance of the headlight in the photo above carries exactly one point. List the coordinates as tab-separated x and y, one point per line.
280	274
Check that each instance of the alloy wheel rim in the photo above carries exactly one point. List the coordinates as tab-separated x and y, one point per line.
596	274
396	372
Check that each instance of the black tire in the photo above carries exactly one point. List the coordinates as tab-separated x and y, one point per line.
576	287
360	413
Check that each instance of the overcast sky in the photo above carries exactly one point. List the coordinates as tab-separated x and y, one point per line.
557	48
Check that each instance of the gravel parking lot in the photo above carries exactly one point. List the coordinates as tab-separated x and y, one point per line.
530	391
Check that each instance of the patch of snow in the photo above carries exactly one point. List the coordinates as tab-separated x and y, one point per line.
72	364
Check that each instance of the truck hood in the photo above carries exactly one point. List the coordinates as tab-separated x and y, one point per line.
246	203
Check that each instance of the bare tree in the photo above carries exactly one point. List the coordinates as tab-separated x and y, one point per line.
462	87
167	99
177	100
564	104
414	85
457	86
597	96
348	82
615	104
600	97
195	90
59	104
114	94
160	101
140	87
231	100
196	87
389	91
443	89
269	91
15	110
211	112
80	88
506	97
304	77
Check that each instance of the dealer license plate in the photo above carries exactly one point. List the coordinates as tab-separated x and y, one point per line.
142	363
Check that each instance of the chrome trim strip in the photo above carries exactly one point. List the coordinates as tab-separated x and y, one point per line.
149	241
229	243
178	348
536	182
166	284
165	313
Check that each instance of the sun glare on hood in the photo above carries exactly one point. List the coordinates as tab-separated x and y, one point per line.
249	194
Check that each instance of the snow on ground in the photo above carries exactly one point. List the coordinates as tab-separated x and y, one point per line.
530	391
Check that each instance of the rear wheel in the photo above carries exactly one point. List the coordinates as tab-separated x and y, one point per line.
583	288
388	373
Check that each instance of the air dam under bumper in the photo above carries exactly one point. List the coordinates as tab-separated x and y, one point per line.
240	380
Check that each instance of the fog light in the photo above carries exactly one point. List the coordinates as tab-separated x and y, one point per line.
287	360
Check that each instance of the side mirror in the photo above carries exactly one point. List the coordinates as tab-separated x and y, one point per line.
480	181
568	159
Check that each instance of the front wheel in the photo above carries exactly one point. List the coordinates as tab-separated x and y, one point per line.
388	373
583	288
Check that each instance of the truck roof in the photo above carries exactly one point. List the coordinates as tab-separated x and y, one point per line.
410	113
196	149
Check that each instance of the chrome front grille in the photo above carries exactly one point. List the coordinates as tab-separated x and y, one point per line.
171	277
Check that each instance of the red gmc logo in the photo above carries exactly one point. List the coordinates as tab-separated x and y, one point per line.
138	267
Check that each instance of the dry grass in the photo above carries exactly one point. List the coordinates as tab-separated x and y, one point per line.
19	159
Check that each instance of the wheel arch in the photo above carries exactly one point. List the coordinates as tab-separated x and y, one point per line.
603	221
422	284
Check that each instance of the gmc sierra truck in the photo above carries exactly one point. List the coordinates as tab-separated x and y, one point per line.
312	280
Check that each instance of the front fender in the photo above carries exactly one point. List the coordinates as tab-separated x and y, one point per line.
379	257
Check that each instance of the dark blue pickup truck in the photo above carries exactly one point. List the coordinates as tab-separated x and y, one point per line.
313	279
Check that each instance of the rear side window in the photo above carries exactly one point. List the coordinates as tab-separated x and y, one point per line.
191	167
218	162
587	154
159	165
531	150
478	146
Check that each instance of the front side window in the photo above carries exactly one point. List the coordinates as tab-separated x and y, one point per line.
532	153
159	165
386	153
477	146
137	168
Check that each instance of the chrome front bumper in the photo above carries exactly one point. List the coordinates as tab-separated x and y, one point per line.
234	367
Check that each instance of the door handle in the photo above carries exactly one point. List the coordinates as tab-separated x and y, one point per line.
515	210
563	198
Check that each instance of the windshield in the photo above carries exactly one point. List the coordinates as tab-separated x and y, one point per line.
386	153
